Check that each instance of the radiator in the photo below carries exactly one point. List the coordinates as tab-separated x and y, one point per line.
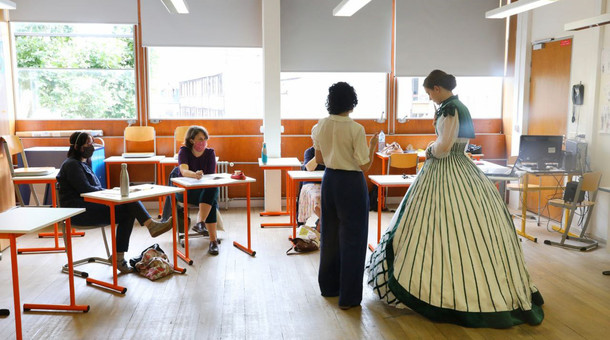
223	193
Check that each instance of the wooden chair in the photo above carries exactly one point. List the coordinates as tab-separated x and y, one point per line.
406	161
588	183
138	138
13	147
179	134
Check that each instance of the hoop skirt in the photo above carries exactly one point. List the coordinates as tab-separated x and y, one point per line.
451	252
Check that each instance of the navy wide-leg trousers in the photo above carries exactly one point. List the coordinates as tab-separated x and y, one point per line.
344	231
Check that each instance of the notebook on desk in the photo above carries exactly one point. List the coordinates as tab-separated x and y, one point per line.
138	154
33	171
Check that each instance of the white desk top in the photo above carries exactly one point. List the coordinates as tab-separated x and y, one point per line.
169	160
285	162
421	154
50	176
137	192
119	159
212	180
22	220
306	175
392	179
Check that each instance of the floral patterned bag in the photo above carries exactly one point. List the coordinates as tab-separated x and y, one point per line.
153	263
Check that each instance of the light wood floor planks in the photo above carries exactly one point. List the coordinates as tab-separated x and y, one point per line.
274	296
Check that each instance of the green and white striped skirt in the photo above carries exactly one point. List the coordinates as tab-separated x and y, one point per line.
451	252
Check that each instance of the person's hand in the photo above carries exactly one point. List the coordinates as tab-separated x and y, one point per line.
198	174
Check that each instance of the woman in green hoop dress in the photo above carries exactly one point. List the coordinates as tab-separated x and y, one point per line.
451	252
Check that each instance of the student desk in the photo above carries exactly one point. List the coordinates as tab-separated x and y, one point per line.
210	181
282	163
387	181
50	180
155	160
22	220
294	178
112	198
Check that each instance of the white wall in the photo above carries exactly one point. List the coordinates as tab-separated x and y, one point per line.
548	22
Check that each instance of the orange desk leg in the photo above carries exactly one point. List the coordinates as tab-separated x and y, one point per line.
384	170
72	306
287	212
237	245
107	175
185	256
293	208
113	286
13	242
175	231
379	198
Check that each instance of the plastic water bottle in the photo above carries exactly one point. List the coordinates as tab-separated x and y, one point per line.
264	153
124	180
381	141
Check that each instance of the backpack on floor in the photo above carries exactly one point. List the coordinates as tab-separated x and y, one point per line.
152	263
308	239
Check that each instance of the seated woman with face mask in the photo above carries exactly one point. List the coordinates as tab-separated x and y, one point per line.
76	177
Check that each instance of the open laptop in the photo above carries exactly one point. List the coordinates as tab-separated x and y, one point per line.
138	154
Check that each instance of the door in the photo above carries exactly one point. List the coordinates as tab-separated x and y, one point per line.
548	112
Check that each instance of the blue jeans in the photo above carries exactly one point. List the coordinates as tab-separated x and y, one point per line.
204	195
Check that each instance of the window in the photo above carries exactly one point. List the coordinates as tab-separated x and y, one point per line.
210	83
75	71
304	94
482	96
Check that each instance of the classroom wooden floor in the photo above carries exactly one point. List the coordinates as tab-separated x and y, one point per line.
274	296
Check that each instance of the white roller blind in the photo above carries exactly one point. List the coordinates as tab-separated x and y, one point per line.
76	11
451	35
313	40
210	23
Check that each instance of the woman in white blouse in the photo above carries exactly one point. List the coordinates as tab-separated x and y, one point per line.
451	252
340	144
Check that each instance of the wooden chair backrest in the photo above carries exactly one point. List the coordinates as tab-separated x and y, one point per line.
591	181
179	134
14	147
139	139
403	160
7	198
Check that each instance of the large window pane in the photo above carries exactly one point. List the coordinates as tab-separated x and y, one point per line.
304	94
75	71
482	96
75	94
210	83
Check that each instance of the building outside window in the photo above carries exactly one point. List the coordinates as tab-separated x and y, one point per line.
482	96
205	83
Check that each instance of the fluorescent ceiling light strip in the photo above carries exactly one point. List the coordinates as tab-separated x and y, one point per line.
6	4
176	6
516	8
588	23
348	7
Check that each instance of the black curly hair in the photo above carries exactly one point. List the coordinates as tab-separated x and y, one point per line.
440	78
341	98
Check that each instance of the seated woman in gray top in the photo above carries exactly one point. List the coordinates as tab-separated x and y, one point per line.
76	177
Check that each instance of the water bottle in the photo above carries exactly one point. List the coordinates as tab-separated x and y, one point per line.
264	153
124	180
381	141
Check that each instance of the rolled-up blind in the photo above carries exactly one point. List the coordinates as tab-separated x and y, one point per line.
313	40
451	35
76	11
210	23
